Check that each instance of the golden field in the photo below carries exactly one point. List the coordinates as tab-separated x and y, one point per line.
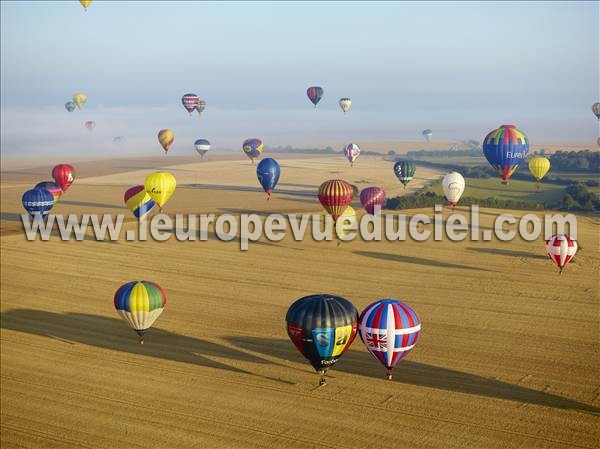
508	356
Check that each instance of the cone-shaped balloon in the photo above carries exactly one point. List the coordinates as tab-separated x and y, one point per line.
138	201
200	107
85	3
140	303
253	148
561	249
539	166
404	171
372	199
596	110
51	187
345	104
63	175
189	102
335	195
314	94
70	106
351	152
202	146
37	202
389	329
348	218
90	125
79	99
505	148
322	327
453	186
166	138
160	186
428	134
268	172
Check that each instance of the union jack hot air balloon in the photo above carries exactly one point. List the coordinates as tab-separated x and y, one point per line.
561	249
351	152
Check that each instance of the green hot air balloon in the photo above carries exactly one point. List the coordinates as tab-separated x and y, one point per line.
405	171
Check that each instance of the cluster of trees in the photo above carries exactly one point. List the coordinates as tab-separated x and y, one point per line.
585	160
430	199
578	197
419	154
326	150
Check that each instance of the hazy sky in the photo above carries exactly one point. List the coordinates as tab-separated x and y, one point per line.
458	68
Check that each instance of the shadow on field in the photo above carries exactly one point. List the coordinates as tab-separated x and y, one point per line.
303	193
420	374
10	216
91	204
115	334
415	260
508	252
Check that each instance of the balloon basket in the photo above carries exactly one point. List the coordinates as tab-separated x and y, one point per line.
322	381
388	374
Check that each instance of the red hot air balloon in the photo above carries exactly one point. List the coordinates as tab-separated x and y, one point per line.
371	198
335	195
64	175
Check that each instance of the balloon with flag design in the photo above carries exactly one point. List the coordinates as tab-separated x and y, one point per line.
322	327
37	202
138	201
63	175
505	148
351	152
372	199
314	94
140	303
268	172
166	138
561	249
335	196
51	187
389	329
189	102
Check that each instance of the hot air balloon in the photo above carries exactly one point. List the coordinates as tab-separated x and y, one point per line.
166	138
314	94
453	186
561	248
351	152
119	139
539	166
138	201
348	217
64	176
268	172
85	4
322	327
335	195
90	125
189	102
140	303
253	148
389	329
372	198
202	146
37	202
427	133
51	187
70	106
79	99
345	104
598	141
505	148
596	110
200	107
404	171
160	186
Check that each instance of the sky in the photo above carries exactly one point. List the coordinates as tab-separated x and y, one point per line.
459	68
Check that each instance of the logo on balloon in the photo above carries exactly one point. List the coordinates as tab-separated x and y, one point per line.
322	339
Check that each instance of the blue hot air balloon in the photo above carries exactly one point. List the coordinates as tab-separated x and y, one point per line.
505	148
268	172
70	106
38	202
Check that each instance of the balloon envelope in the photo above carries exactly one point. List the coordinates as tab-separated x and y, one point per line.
596	110
345	104
166	138
427	133
404	171
90	125
539	166
85	3
79	99
372	199
268	172
253	148
63	175
37	202
200	107
314	94
561	249
160	186
138	201
70	106
140	303
51	187
202	146
453	185
351	152
189	102
347	218
335	196
505	148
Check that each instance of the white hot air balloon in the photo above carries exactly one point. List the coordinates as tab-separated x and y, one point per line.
202	146
345	104
453	185
351	152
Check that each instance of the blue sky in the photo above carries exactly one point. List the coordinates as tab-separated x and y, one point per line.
458	68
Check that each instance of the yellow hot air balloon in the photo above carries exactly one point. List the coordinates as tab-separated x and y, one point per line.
160	186
166	138
539	166
347	217
85	3
79	99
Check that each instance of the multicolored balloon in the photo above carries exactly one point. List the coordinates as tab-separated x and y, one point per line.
428	134
404	171
51	187
63	175
166	138
37	202
160	186
351	152
314	94
85	4
202	146
335	195
561	249
372	199
453	185
70	106
322	327
268	172
389	329
505	148
138	201
79	99
347	218
596	110
345	104
189	102
140	303
539	166
90	125
253	148
200	107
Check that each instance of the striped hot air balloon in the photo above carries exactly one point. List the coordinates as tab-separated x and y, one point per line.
389	329
51	187
335	195
138	201
404	171
539	166
351	152
372	199
166	138
189	102
505	148
561	249
314	94
202	146
140	303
